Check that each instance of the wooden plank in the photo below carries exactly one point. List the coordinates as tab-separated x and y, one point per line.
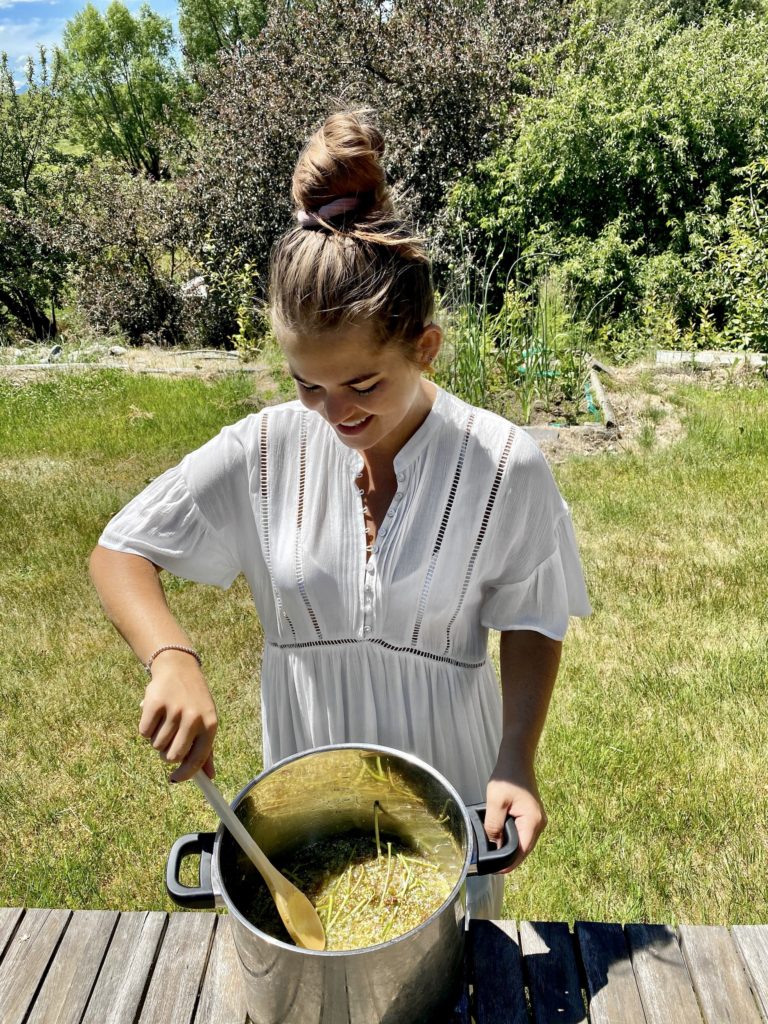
611	986
549	961
496	970
27	959
73	970
718	975
222	1000
661	975
461	1011
124	975
9	919
752	943
179	970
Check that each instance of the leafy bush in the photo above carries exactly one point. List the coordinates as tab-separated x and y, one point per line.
435	70
129	262
620	169
33	192
739	274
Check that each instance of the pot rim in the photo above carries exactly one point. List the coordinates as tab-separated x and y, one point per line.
375	748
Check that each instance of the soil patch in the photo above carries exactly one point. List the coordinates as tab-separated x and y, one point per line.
644	400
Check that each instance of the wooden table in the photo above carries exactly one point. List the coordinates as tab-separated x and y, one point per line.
105	967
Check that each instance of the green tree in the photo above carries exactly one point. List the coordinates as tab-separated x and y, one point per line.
32	264
122	83
207	26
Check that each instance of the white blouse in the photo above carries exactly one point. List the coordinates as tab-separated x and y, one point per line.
387	646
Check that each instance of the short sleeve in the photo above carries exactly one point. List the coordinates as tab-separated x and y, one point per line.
193	518
538	581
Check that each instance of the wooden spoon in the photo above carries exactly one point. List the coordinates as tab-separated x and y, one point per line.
298	915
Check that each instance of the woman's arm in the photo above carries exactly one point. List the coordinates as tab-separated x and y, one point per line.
178	714
529	665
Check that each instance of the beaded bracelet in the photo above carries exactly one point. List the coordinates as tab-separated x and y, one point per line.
172	647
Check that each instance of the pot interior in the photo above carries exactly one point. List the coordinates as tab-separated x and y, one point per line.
334	792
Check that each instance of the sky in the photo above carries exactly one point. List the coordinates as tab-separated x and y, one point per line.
25	24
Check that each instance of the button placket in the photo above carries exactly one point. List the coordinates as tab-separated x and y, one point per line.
373	549
368	575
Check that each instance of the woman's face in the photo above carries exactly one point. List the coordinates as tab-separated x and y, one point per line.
372	395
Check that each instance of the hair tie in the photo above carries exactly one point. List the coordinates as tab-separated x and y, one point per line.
312	219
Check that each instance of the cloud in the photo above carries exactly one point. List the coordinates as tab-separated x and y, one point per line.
22	39
6	5
25	25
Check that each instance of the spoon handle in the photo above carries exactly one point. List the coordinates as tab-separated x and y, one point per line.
233	824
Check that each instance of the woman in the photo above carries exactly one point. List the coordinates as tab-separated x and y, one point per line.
383	526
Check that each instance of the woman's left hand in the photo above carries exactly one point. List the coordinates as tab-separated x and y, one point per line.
529	663
512	791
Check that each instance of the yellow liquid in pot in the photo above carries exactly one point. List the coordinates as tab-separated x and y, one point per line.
364	893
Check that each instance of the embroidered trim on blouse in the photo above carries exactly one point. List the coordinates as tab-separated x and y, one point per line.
299	520
346	641
263	487
481	534
441	532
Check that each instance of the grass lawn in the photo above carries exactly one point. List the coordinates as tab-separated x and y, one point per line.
654	761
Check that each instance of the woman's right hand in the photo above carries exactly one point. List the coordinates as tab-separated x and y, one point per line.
178	715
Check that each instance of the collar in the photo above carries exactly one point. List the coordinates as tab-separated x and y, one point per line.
415	444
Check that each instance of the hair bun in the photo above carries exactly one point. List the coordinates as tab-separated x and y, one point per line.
343	158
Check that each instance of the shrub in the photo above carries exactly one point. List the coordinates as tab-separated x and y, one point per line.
533	349
739	263
620	170
129	261
435	70
33	192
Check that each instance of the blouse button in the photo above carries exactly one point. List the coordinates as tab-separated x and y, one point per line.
398	496
383	531
366	629
375	548
401	477
369	568
390	513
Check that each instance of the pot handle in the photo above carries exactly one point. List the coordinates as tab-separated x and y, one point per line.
200	897
489	857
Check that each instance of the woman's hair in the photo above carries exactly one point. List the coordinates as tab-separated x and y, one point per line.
359	266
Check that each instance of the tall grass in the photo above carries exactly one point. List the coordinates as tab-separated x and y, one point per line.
652	764
511	352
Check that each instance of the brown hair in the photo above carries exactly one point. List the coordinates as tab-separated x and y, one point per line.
363	267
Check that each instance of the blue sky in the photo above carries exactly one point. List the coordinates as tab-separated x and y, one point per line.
25	24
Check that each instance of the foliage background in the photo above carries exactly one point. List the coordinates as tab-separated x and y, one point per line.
614	151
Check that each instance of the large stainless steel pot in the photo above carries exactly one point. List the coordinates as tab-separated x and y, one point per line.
411	979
